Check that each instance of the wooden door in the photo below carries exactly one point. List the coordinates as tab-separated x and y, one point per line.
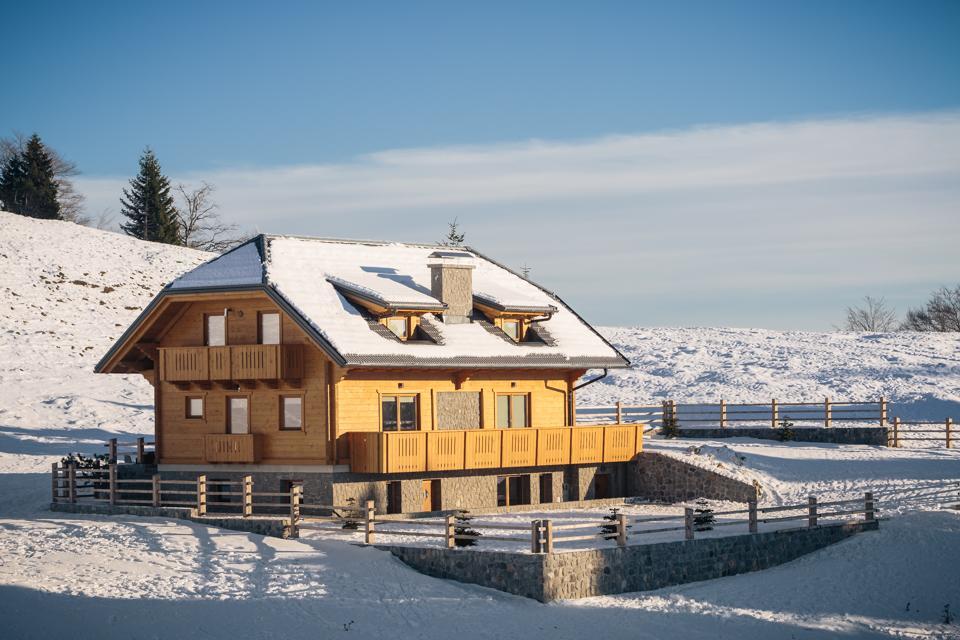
427	496
435	504
601	485
546	488
394	497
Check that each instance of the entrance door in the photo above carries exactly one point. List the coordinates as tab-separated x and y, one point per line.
431	495
601	485
546	488
394	497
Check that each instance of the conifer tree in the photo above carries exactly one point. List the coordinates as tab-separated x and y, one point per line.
148	204
27	182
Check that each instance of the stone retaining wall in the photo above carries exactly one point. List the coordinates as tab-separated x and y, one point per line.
661	478
836	435
581	574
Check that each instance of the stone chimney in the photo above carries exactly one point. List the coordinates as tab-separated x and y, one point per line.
451	282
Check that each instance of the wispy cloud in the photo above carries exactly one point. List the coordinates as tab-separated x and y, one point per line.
833	207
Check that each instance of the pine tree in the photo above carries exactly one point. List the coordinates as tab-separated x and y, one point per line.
454	237
27	182
148	204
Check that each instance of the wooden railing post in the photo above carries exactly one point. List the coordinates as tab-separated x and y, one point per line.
673	413
868	507
247	496
949	425
55	486
72	481
621	530
113	483
883	412
664	413
156	489
688	523
619	412
896	432
812	511
140	447
827	413
450	531
535	536
112	451
368	522
723	413
548	536
774	414
295	499
202	494
752	516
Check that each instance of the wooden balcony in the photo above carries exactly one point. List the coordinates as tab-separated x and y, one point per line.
231	363
418	451
228	447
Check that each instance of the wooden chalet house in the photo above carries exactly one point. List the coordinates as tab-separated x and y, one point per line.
419	376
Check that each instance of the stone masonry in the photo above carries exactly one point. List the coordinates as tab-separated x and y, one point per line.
661	478
876	436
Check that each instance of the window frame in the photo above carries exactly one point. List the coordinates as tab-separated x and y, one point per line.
260	315
283	413
203	406
206	329
229	414
397	396
406	326
519	324
496	411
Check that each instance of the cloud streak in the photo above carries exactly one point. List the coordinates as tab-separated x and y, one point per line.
618	219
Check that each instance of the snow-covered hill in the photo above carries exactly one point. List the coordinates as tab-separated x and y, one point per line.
67	293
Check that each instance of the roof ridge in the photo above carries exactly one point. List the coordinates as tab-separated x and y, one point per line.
383	243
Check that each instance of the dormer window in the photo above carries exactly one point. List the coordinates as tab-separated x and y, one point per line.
512	328
399	326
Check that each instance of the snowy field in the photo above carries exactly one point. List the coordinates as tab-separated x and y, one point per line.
69	291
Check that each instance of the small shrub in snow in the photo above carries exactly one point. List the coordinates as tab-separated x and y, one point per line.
670	428
786	430
80	461
703	517
609	531
462	528
947	616
352	512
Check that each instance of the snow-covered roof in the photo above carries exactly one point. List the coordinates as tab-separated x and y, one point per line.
313	277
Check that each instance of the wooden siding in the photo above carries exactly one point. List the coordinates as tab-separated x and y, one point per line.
417	451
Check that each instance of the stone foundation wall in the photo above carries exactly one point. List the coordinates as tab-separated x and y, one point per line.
660	478
582	574
836	435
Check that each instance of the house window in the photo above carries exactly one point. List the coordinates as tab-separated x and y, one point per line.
512	329
238	414
513	490
291	412
194	407
269	328
399	326
398	413
512	410
215	330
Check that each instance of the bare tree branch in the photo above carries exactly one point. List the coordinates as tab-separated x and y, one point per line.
200	223
941	313
874	316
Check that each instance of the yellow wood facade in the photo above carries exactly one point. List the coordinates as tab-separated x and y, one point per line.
338	402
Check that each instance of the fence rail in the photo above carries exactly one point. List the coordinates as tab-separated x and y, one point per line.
908	431
723	414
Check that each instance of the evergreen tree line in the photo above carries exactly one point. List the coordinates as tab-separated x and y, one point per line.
35	182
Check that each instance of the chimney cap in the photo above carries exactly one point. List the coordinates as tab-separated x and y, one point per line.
455	259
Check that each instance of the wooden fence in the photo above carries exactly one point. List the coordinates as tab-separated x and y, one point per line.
917	431
544	536
723	414
139	448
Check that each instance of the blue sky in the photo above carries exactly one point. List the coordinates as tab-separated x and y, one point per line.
360	96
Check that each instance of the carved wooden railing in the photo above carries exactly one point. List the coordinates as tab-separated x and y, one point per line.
235	362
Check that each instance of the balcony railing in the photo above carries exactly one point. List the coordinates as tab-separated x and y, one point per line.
230	447
237	362
416	451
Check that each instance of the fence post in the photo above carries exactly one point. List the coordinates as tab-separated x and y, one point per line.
548	535
883	411
368	520
113	483
752	515
949	423
619	412
827	413
156	489
812	511
295	504
688	523
72	481
723	413
868	507
673	413
664	413
112	450
55	484
202	494
247	496
535	536
621	530
451	531
774	413
140	447
896	432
